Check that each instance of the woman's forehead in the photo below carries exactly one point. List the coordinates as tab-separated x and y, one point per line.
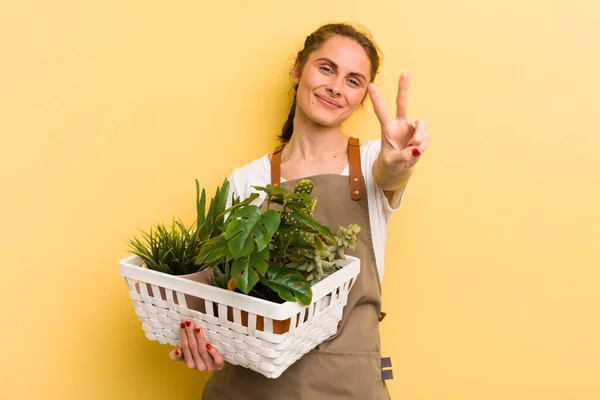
346	53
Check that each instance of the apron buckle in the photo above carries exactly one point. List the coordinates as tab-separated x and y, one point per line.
386	374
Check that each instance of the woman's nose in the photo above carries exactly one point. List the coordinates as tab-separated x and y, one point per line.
334	91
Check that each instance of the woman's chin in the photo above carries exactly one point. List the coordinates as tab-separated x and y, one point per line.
327	121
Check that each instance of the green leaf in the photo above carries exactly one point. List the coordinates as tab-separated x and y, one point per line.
237	204
200	207
259	259
246	269
248	225
289	285
221	277
221	204
213	250
311	223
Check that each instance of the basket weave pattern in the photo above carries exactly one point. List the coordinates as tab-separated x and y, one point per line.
162	309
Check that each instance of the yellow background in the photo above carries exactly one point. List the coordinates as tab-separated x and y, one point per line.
110	109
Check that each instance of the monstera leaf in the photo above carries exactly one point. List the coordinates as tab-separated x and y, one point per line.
245	271
248	226
289	284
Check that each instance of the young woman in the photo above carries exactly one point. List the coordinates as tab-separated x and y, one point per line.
354	183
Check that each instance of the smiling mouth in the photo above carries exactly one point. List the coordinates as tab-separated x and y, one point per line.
327	104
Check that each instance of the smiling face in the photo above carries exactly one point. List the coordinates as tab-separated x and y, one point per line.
333	82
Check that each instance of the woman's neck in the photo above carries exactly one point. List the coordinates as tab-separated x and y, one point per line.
314	143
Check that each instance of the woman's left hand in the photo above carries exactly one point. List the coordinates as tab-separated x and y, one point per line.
402	141
195	352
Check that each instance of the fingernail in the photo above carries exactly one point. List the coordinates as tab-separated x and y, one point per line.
416	152
188	323
176	352
197	330
182	325
208	346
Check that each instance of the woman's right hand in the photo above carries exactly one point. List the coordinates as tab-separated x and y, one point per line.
194	351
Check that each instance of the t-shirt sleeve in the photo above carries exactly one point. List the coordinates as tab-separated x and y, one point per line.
369	154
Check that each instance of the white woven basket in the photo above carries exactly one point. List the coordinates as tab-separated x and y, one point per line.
238	336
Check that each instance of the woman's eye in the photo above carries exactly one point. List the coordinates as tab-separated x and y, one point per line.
326	69
354	82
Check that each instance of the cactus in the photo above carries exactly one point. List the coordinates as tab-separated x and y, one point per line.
305	186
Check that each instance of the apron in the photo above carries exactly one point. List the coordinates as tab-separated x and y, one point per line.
348	365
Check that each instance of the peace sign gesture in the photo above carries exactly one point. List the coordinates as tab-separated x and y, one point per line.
402	141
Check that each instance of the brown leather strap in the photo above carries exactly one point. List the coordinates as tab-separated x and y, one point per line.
355	175
353	160
276	166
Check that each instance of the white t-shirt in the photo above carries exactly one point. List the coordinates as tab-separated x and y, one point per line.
258	173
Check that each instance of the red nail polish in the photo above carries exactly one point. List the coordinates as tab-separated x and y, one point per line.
182	325
188	323
416	152
197	330
176	352
208	346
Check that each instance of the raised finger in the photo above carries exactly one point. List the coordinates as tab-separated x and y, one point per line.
185	347
402	97
378	105
203	350
423	144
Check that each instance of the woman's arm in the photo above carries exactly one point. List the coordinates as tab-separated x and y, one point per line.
389	180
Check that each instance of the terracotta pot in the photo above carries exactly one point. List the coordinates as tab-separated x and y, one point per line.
278	326
193	303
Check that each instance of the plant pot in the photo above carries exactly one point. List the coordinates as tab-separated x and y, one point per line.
279	326
193	302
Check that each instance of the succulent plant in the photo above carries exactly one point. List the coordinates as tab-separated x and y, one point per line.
318	262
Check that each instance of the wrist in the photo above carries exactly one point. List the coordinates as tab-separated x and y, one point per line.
391	177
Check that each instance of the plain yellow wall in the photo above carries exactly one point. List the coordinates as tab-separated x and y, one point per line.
110	109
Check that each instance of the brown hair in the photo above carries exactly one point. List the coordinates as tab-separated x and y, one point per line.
312	43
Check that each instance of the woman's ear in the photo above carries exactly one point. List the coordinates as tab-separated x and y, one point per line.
295	73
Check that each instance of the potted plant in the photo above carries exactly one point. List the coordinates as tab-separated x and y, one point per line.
174	249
